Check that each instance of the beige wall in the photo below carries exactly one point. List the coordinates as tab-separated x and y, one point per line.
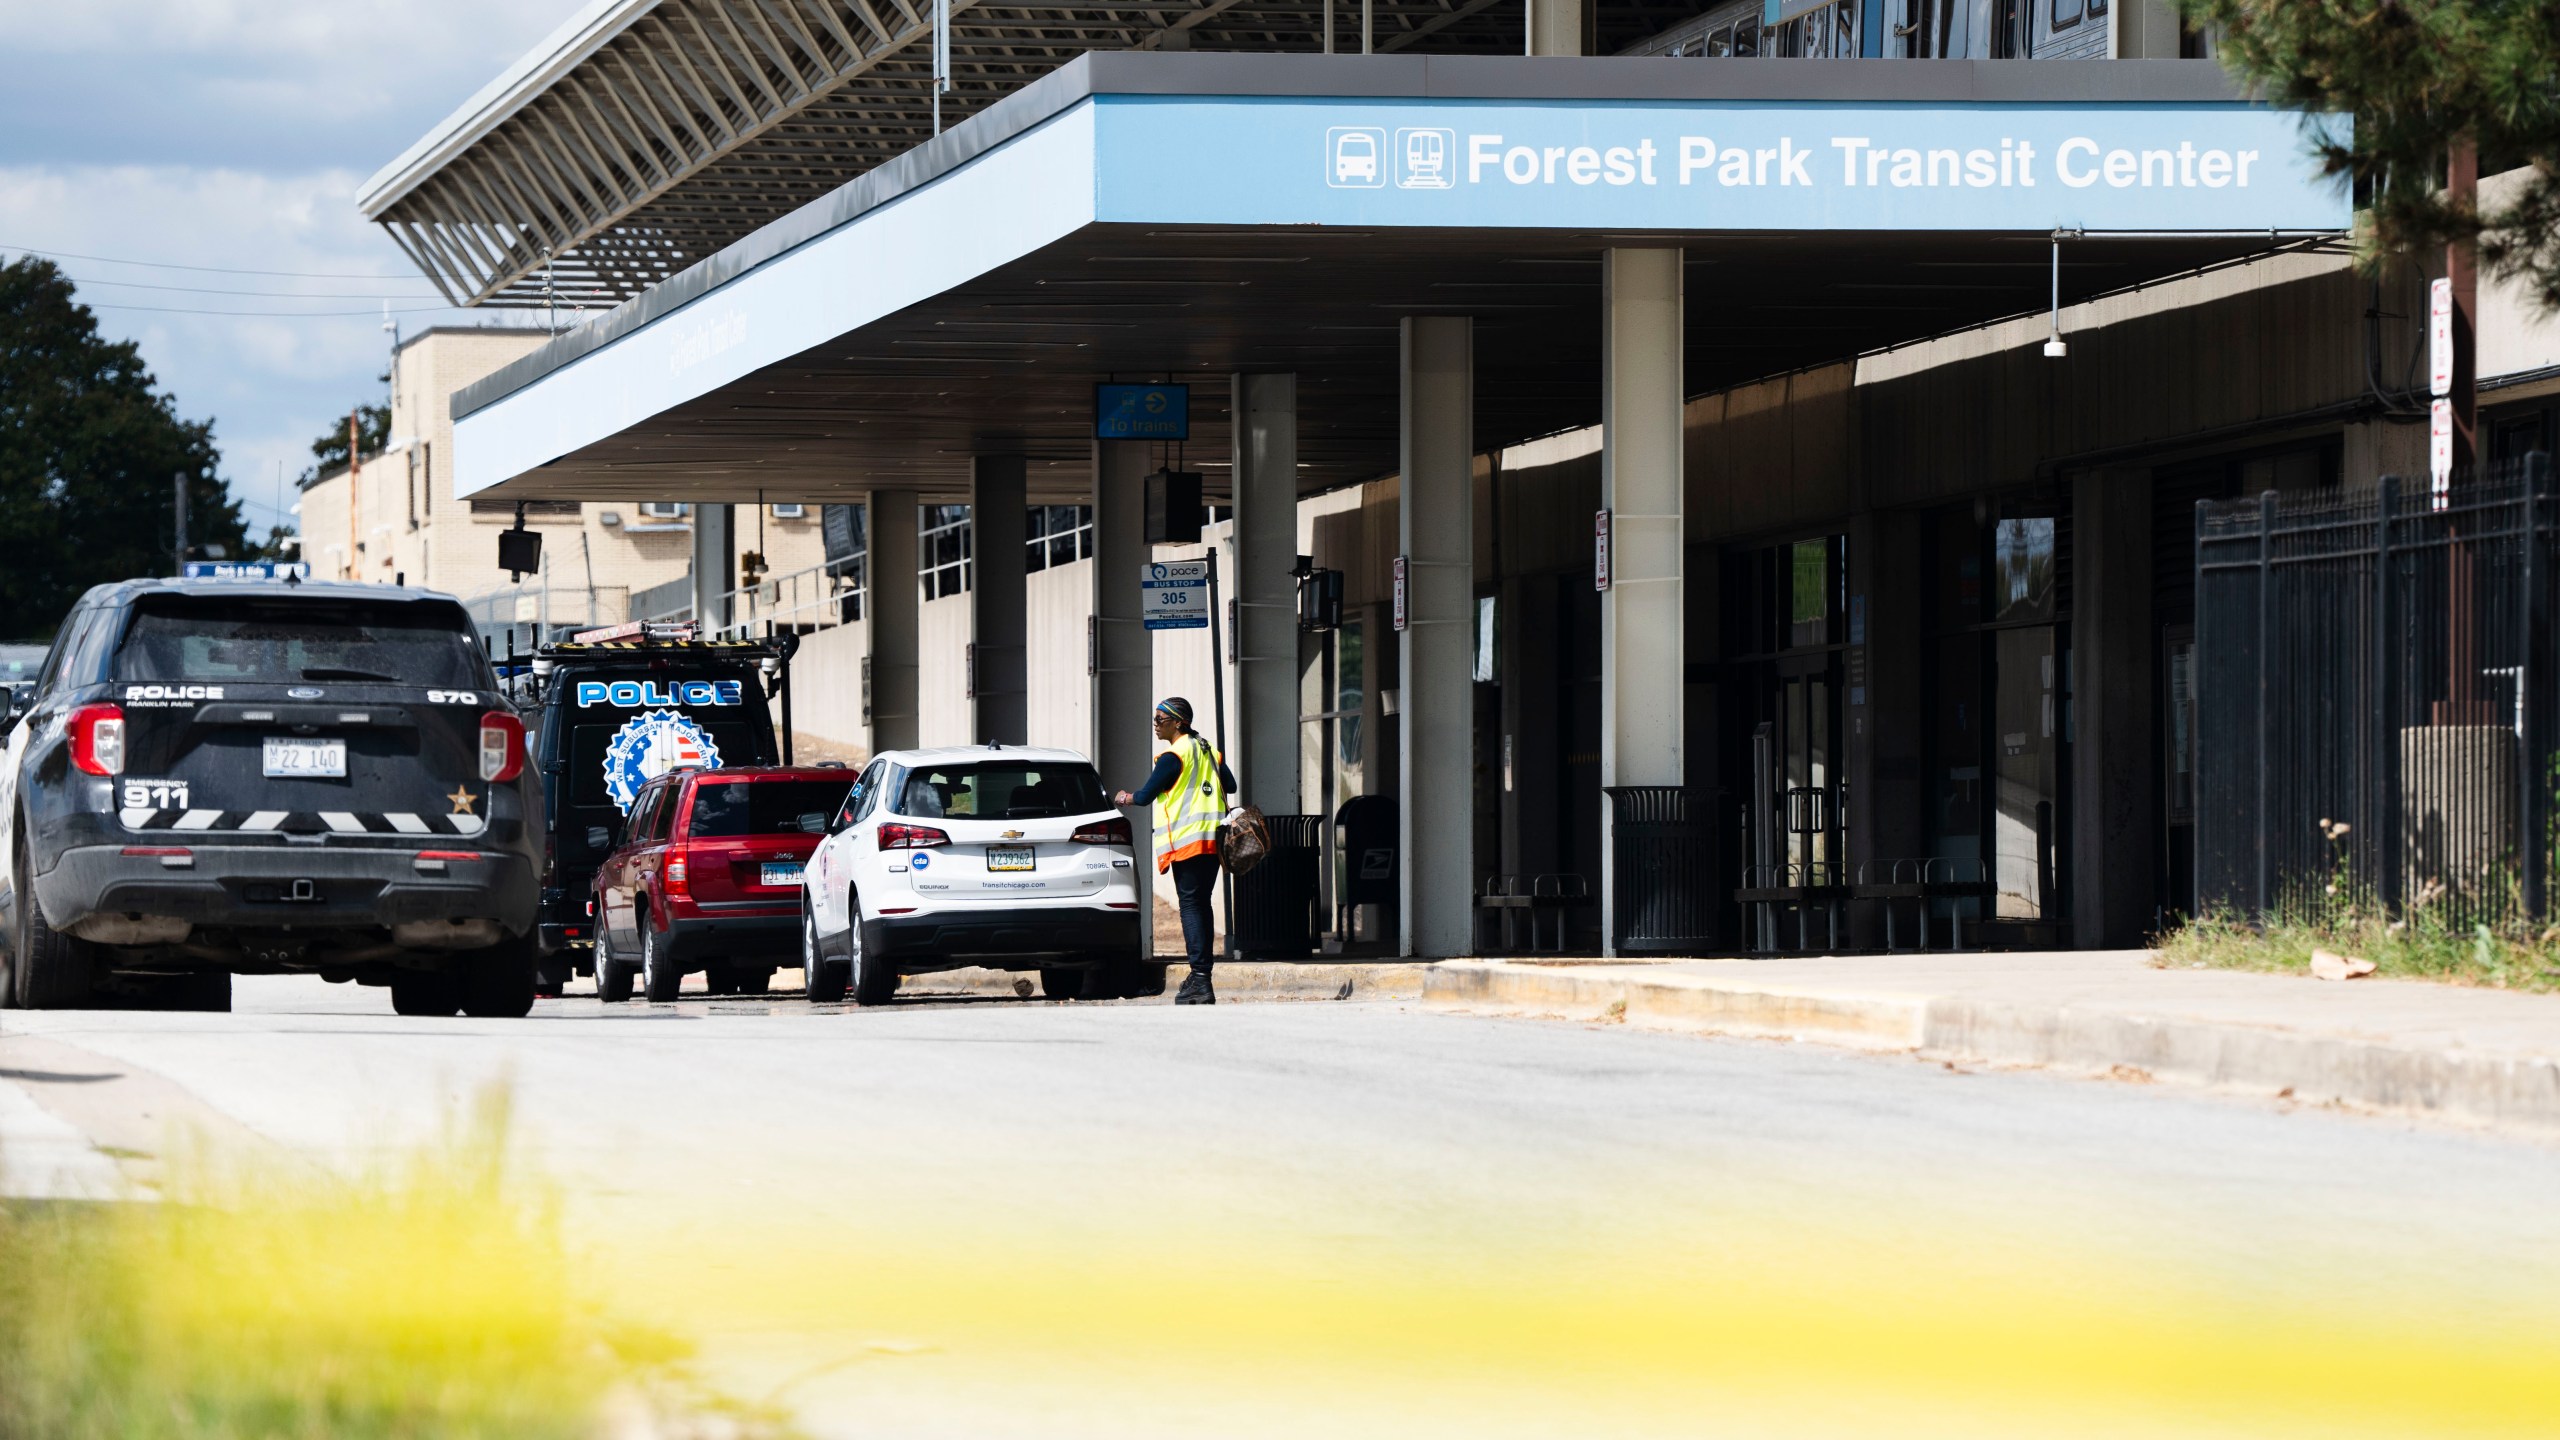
942	666
1058	603
408	524
826	695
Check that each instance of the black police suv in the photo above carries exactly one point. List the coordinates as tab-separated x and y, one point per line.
612	714
250	777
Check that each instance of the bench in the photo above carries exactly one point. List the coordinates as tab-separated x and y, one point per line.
1804	886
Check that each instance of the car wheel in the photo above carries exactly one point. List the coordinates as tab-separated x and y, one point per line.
1131	979
613	974
659	978
874	979
48	970
826	978
498	982
426	992
1057	982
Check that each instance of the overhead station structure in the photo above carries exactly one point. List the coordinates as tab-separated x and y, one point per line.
1521	309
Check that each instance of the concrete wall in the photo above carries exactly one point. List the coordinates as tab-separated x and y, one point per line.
942	664
826	694
1057	602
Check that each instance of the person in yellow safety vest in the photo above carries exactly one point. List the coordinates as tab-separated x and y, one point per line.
1191	789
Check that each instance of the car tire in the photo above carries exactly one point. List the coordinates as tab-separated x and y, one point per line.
875	980
498	983
826	979
660	980
426	992
1060	982
1133	979
613	974
48	970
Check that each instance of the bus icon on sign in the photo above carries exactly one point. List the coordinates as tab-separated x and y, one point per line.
1355	157
1423	158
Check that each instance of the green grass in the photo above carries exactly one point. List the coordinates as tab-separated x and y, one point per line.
433	1300
2420	948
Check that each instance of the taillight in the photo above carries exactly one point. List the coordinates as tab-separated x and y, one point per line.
674	874
1114	831
501	746
97	739
911	837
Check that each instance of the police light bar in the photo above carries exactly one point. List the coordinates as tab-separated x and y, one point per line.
637	630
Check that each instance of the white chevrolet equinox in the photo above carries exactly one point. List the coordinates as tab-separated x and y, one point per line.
998	856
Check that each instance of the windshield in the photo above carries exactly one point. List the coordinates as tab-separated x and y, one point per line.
765	807
237	638
1001	790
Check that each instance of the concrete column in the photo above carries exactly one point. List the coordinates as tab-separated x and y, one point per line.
1265	747
715	563
1556	27
999	528
889	616
1642	652
1123	653
1435	532
2114	769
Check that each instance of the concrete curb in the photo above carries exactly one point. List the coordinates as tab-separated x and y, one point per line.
1251	980
2507	1091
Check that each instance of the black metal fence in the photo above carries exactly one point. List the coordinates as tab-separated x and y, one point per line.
2374	700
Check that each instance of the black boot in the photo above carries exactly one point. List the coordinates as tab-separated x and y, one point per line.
1195	990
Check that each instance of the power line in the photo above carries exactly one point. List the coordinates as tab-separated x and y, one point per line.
264	314
211	269
277	294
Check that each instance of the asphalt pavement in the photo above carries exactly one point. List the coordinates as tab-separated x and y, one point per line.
743	1132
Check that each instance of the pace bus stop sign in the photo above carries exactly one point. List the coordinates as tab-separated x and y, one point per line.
1142	412
1177	594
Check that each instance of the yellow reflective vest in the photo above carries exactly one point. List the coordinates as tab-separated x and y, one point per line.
1187	815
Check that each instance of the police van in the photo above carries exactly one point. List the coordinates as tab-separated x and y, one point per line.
614	709
218	777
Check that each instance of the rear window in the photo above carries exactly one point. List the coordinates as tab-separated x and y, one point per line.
765	807
1001	790
228	638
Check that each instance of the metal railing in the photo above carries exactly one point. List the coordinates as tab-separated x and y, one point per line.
2374	691
820	597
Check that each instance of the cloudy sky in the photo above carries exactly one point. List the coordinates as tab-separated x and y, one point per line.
231	135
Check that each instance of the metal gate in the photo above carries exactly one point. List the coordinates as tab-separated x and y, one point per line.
2374	695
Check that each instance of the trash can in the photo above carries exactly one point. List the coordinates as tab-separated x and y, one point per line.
1276	901
1662	854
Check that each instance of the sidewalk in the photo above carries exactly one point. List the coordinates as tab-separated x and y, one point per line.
2479	1056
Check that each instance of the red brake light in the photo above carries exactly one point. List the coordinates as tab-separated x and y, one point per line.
1114	831
678	883
911	837
97	739
447	855
501	746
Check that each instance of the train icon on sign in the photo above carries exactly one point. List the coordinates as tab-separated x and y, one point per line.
1422	159
1355	157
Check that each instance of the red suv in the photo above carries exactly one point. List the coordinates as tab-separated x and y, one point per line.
706	876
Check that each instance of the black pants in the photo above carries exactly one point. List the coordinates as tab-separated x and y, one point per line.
1194	881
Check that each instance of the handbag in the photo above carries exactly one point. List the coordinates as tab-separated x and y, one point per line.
1243	840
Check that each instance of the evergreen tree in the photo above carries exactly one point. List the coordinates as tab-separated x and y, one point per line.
2419	76
89	447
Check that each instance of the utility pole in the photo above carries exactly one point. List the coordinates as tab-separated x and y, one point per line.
2462	267
179	487
355	473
